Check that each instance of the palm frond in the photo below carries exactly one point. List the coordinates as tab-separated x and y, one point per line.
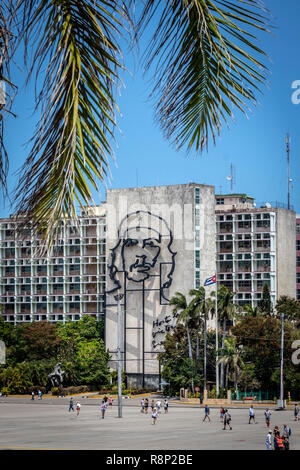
7	88
205	57
76	49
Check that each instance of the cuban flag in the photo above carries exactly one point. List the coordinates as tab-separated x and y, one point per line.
210	280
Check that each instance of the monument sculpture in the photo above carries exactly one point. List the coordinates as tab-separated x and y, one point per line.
56	377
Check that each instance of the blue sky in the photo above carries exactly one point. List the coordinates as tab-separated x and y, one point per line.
255	146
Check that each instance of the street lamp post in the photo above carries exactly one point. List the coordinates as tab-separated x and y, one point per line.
217	344
281	362
119	297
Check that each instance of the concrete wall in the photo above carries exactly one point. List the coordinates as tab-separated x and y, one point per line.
146	315
285	247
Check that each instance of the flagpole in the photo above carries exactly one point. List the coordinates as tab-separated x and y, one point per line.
208	282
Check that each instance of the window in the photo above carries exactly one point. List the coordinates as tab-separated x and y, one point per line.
220	201
298	278
197	196
298	245
298	228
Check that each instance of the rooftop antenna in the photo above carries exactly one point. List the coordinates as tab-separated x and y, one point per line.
289	180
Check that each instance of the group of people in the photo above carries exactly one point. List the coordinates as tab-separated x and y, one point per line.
71	406
155	408
280	441
40	395
103	405
225	416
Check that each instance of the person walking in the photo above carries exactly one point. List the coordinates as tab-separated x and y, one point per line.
110	401
158	405
39	395
222	413
71	404
227	419
154	416
268	417
146	404
276	434
142	405
296	412
286	444
251	414
32	395
166	406
286	431
105	399
280	445
152	405
206	413
78	406
269	440
103	408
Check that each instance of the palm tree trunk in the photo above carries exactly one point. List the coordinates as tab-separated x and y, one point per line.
190	354
197	348
189	343
222	365
227	374
236	379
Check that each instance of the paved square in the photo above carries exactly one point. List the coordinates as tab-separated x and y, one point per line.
41	425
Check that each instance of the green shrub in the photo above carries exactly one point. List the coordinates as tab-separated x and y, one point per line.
55	391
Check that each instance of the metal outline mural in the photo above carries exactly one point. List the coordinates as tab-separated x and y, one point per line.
141	269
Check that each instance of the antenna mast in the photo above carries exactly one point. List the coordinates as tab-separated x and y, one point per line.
288	167
231	178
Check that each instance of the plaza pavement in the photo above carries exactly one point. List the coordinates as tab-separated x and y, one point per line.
47	424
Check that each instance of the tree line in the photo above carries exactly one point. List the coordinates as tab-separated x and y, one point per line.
33	349
248	346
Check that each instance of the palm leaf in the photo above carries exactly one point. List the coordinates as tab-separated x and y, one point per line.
204	53
76	43
7	46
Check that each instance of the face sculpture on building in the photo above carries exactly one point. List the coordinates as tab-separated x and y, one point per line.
143	251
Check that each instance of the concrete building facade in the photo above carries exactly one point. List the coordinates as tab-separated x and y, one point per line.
254	247
146	244
160	240
63	286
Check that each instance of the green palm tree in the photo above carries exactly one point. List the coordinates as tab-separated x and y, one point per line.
206	63
231	358
227	312
179	303
200	309
186	317
250	311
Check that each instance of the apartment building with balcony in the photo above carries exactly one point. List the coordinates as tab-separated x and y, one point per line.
66	284
254	247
